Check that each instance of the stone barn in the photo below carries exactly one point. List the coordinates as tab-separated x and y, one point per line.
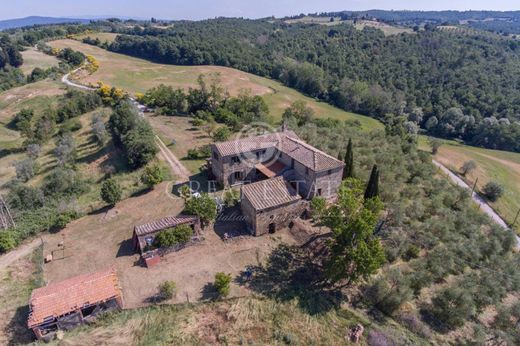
67	304
270	205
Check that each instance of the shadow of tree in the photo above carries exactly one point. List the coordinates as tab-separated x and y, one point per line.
289	274
209	292
17	327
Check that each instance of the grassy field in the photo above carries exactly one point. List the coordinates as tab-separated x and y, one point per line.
492	165
103	36
386	28
137	75
33	58
245	321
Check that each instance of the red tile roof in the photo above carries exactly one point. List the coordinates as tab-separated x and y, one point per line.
167	222
286	142
308	155
269	193
249	144
63	297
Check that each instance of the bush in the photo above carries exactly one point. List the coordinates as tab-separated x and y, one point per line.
493	191
412	252
167	290
71	125
222	283
231	197
453	307
7	241
204	207
379	338
152	176
63	219
221	134
173	236
111	192
199	153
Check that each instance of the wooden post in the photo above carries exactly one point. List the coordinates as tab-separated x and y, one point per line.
474	187
516	218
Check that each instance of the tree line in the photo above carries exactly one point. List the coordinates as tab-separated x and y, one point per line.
452	85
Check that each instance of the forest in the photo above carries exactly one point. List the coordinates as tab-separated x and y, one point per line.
453	85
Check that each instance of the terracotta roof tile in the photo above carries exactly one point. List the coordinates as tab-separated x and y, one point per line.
308	155
167	222
269	193
248	144
63	297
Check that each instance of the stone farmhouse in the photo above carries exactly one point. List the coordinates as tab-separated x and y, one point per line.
278	173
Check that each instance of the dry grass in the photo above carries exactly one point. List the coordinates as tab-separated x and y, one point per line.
386	28
103	36
33	58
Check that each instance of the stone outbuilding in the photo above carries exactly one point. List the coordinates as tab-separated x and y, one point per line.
70	303
270	205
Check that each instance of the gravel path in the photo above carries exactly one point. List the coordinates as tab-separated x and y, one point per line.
483	205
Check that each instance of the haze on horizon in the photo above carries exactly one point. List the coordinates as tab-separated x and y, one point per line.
201	9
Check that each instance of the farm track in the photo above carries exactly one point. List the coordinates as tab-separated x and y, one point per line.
483	205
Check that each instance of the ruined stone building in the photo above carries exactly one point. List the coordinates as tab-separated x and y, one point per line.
70	303
278	173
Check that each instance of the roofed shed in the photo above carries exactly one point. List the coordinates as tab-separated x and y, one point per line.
72	302
144	235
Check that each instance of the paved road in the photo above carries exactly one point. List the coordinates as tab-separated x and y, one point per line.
65	79
476	198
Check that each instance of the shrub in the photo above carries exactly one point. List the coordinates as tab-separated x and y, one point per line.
204	207
412	252
173	236
468	167
222	283
221	134
111	191
152	176
25	169
231	197
493	191
63	219
199	153
453	307
71	125
7	241
167	290
63	182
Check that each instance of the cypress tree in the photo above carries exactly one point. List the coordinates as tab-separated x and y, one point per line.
373	184
348	171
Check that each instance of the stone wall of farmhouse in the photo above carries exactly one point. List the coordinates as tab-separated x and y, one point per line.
308	182
249	214
224	169
280	216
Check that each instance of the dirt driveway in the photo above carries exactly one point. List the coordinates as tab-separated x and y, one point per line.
103	239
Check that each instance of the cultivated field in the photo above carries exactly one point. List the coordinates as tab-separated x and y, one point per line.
33	58
492	165
386	28
103	36
137	75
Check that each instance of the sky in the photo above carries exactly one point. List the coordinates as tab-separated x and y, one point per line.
200	9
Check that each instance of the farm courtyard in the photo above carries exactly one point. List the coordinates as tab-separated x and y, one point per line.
103	239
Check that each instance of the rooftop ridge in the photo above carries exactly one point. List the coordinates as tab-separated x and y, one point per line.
313	149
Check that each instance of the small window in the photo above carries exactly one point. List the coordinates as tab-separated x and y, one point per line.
306	170
329	172
235	159
319	192
215	155
264	151
237	175
258	154
292	163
